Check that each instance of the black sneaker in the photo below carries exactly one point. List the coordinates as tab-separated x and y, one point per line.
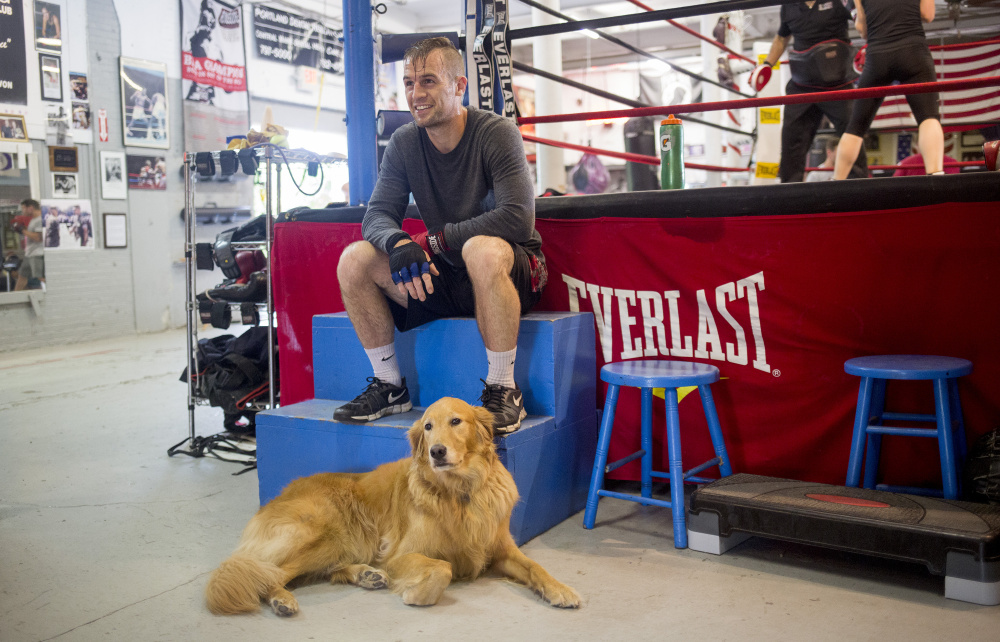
378	400
507	406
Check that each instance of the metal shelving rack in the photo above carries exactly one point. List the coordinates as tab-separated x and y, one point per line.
269	158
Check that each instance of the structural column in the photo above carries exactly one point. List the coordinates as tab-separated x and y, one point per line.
547	55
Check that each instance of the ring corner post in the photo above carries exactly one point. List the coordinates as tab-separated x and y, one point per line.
359	80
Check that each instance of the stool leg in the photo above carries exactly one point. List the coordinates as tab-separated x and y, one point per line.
647	441
858	438
874	450
715	429
946	443
961	447
601	457
676	469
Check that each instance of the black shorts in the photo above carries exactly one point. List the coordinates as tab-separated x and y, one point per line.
908	64
453	295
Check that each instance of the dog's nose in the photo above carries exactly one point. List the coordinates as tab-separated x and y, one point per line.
438	451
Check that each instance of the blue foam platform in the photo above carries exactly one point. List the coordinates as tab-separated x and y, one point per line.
550	465
556	362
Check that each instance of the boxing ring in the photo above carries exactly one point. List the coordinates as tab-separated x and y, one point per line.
777	285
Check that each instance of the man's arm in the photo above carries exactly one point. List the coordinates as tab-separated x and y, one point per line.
860	23
927	10
778	46
513	217
382	225
34	236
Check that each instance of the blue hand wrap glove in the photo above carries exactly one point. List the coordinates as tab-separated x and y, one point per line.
408	261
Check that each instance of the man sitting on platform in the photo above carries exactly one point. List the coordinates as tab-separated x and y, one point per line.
481	254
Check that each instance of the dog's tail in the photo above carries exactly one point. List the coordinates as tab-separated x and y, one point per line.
239	583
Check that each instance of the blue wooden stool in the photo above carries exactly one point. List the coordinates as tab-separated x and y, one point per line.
875	371
647	375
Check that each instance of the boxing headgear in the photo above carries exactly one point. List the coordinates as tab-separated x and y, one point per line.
859	60
990	150
760	76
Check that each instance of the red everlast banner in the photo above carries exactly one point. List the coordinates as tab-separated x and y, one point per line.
213	73
777	303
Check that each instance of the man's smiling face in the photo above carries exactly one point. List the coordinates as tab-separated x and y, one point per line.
432	94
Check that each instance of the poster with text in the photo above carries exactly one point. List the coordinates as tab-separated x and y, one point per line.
213	73
68	224
13	64
285	37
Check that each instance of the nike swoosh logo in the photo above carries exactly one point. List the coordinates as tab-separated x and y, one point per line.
394	398
389	357
517	400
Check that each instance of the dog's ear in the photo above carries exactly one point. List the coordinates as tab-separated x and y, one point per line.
484	423
416	435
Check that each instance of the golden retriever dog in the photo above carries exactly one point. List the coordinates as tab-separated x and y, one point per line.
411	526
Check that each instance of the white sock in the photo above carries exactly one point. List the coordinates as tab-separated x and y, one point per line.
384	364
501	368
938	173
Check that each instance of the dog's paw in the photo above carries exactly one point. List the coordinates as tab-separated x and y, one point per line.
284	606
560	595
372	579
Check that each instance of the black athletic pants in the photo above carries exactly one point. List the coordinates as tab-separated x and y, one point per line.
799	129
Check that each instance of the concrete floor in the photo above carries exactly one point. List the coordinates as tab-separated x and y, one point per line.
103	537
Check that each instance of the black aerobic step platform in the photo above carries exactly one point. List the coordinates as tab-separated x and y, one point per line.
952	538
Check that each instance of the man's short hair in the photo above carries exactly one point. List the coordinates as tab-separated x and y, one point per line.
831	144
32	203
453	62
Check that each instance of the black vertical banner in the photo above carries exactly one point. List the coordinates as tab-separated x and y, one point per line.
13	62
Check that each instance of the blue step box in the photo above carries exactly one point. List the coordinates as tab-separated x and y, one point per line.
550	457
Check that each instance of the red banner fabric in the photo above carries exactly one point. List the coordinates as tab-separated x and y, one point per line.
206	71
777	303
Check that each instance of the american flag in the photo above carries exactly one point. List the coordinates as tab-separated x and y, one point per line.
954	62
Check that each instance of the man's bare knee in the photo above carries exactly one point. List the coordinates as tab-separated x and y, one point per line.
356	262
487	256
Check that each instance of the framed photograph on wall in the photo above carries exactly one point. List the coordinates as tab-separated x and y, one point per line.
12	127
67	224
115	230
113	185
64	186
50	70
144	103
48	27
146	172
63	159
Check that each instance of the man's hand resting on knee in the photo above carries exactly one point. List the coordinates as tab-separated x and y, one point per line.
411	269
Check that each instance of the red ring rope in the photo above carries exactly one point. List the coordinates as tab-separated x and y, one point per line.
653	160
825	96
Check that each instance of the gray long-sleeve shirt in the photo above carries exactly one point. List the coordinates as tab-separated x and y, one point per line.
482	187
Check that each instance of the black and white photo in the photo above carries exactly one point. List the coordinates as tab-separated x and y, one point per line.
144	103
64	186
113	186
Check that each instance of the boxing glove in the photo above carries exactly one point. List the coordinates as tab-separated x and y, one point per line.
760	76
990	150
859	60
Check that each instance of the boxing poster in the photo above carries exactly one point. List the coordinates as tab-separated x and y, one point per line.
13	63
213	74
